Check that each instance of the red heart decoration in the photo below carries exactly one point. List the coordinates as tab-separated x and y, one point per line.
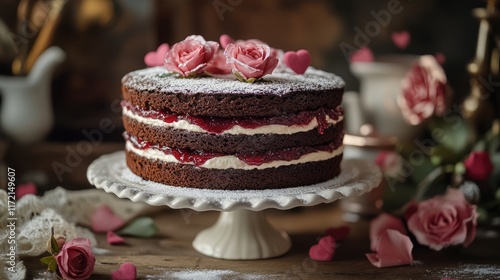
324	250
156	58
103	219
127	271
225	40
298	61
401	39
25	189
114	239
362	55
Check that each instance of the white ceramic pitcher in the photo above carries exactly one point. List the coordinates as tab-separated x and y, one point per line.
26	113
376	104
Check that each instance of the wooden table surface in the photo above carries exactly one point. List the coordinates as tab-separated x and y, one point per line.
170	254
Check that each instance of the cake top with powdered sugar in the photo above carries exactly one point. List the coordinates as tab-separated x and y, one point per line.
279	83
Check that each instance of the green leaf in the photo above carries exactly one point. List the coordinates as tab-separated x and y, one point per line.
47	260
454	135
143	227
53	266
54	247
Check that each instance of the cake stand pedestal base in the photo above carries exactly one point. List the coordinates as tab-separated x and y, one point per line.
242	235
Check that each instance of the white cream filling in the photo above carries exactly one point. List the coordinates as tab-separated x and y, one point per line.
265	129
230	161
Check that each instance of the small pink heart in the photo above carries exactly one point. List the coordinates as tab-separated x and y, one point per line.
103	219
401	39
362	55
156	58
127	271
113	238
340	234
24	189
440	57
298	61
324	250
225	40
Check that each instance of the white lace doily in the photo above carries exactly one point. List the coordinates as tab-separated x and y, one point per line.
110	173
59	209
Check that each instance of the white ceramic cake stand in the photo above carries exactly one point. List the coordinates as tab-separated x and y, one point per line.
241	232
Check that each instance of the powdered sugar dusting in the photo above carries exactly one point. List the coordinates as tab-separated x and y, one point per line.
472	271
208	274
280	83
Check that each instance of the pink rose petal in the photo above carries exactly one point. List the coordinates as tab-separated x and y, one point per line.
393	249
127	271
298	61
401	39
340	234
362	55
225	40
114	239
103	219
24	189
381	224
156	58
324	250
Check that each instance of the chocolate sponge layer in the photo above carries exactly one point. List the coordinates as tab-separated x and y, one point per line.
185	175
228	143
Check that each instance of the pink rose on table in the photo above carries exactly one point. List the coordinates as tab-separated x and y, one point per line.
390	162
444	220
251	60
191	56
424	91
75	261
478	166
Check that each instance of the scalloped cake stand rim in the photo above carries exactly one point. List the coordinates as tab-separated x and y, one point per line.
110	173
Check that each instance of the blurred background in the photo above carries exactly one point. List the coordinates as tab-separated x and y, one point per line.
105	39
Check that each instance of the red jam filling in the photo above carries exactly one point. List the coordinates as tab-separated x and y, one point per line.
219	125
198	157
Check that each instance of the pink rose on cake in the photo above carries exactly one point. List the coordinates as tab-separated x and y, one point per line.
424	91
443	220
191	56
250	60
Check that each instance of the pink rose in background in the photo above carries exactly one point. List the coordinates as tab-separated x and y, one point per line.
218	65
390	162
444	220
478	166
424	91
75	261
191	56
251	60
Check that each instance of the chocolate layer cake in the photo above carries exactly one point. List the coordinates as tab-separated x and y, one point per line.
214	133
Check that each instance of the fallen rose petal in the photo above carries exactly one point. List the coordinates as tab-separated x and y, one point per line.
393	249
381	224
114	239
127	271
24	189
324	250
103	219
340	234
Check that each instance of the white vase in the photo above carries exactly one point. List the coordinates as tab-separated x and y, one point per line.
26	113
376	104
